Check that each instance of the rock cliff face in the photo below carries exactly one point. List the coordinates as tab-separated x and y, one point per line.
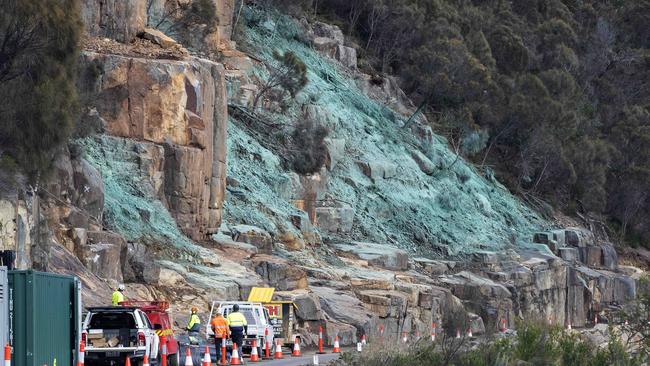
173	196
180	108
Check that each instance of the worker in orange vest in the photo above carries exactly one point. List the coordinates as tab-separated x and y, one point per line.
221	329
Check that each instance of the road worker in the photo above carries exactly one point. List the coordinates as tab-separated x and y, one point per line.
118	295
194	326
238	326
220	327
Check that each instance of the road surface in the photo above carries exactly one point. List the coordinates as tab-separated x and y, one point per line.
288	360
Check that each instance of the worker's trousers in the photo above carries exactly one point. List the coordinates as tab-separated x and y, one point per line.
217	346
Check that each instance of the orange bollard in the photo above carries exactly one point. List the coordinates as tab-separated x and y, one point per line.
267	346
234	358
254	356
7	355
224	357
337	348
296	348
163	360
82	353
320	340
433	332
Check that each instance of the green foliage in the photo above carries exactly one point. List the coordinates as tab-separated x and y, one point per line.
309	151
37	80
289	74
535	343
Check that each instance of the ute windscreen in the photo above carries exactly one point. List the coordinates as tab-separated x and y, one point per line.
112	321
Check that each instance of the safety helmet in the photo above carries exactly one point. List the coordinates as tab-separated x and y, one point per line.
121	287
194	309
218	312
235	307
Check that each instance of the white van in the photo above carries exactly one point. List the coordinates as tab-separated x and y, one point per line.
257	317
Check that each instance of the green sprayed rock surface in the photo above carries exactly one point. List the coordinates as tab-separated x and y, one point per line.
453	209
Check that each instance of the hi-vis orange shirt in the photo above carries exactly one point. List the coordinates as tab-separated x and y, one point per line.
220	327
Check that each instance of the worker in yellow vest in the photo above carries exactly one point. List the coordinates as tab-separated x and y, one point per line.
238	326
194	326
118	295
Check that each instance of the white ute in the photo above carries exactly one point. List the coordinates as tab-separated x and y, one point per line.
113	333
257	318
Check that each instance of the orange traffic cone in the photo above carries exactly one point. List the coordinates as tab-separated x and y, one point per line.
363	339
163	354
503	325
207	361
457	334
128	361
405	338
254	356
278	350
145	360
568	326
234	358
188	357
469	333
82	353
296	348
337	348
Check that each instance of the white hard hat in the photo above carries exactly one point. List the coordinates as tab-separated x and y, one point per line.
121	287
218	312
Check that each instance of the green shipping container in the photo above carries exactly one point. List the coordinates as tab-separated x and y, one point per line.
44	314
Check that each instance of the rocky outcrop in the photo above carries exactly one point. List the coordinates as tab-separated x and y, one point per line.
116	19
179	105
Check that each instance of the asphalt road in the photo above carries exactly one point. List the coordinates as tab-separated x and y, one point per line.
288	360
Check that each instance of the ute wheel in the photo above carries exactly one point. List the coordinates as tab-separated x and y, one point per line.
174	359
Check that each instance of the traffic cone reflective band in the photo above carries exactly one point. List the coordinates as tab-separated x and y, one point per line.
320	340
234	358
363	339
7	355
254	356
188	357
296	348
315	360
359	347
128	361
404	337
163	341
82	353
278	350
469	333
207	361
433	332
457	334
503	325
337	348
223	360
145	360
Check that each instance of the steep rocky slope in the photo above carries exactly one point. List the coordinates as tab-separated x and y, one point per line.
186	199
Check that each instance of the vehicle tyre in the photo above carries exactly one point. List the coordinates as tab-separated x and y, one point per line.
173	359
